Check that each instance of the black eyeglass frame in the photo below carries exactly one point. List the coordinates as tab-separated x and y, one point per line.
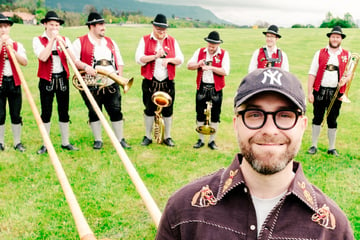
297	112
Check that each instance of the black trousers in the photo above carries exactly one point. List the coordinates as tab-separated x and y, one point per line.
207	93
10	92
149	87
59	87
322	99
109	97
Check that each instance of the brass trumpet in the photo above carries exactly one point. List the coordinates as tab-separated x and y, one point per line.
101	78
206	129
349	69
161	100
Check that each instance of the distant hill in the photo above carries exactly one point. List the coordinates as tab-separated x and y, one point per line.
147	9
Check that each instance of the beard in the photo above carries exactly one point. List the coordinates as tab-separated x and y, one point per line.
334	45
275	161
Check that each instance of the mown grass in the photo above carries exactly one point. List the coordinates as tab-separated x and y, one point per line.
32	204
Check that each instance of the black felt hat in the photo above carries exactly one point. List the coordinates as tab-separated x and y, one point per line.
4	19
336	30
160	21
51	16
213	37
273	29
94	18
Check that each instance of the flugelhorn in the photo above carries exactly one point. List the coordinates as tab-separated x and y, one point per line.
100	80
161	100
206	129
349	69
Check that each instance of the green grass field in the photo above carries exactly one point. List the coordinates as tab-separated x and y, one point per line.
33	206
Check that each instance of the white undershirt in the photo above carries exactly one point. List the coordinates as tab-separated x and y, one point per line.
263	208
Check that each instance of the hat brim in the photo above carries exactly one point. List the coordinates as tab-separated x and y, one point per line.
163	25
262	90
7	21
45	20
272	32
213	41
339	33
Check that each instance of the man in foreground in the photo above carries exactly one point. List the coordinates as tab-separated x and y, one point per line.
263	194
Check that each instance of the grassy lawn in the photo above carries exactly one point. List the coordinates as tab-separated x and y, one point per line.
33	206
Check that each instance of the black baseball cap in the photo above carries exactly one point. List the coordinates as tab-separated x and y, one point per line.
273	80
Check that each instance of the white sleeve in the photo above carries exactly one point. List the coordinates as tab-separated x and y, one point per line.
253	62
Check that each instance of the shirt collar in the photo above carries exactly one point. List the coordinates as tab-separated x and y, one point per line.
218	51
274	49
232	178
337	52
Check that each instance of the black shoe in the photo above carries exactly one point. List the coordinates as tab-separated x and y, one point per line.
19	147
97	145
146	141
212	145
124	144
312	150
42	150
169	142
70	147
199	144
333	152
2	147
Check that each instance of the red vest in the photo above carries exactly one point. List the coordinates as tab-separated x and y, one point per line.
216	62
262	61
147	71
87	50
3	53
323	60
45	68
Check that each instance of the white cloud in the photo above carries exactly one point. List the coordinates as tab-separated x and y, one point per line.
281	12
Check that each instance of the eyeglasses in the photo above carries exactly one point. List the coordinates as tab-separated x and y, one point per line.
284	119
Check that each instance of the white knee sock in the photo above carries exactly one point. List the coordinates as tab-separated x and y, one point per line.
148	122
96	129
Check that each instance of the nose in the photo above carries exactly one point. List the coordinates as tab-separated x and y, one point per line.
269	125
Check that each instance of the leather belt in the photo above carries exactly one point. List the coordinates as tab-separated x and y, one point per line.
103	62
331	67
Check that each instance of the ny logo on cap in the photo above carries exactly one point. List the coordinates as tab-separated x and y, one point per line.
273	76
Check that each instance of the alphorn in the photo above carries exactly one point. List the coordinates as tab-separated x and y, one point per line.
139	184
82	226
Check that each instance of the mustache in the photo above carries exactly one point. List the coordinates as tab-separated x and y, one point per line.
269	139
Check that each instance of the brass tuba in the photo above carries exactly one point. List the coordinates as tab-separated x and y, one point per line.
101	78
161	100
206	129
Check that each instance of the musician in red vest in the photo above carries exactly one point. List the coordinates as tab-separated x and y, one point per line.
325	75
212	64
10	84
269	55
95	50
54	75
158	54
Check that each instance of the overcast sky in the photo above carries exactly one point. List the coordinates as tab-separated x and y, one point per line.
280	12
